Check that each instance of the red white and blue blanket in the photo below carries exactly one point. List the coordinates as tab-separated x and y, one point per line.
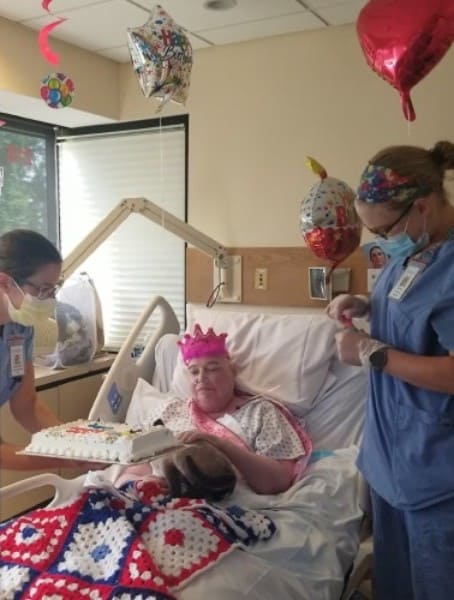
115	544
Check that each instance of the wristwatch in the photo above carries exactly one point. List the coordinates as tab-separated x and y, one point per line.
379	358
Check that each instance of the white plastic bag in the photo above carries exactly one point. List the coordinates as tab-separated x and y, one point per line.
79	320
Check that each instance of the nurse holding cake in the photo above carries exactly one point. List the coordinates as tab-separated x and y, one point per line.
30	268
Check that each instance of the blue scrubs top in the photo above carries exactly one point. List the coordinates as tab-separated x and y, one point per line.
13	334
407	452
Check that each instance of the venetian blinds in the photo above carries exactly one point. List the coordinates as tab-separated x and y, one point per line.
140	259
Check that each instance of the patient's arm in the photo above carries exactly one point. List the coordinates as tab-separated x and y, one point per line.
263	475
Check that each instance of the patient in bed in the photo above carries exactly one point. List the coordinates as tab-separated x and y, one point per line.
262	441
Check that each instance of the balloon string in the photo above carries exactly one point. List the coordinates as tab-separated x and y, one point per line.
161	167
330	271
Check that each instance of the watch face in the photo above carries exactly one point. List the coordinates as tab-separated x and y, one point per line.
379	358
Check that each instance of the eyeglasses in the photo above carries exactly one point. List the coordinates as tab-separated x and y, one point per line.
383	232
43	291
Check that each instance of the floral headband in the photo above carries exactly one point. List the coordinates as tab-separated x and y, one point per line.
380	184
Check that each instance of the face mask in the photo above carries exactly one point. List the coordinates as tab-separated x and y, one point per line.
402	246
32	311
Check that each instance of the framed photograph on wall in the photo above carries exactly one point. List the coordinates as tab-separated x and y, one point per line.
319	288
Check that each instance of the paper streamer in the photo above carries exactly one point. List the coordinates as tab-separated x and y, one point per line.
45	4
43	42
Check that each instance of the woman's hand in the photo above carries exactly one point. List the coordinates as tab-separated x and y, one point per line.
346	307
348	343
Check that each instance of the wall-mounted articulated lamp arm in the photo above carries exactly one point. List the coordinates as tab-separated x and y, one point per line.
156	214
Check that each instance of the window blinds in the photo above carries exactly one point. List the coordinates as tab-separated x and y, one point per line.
140	259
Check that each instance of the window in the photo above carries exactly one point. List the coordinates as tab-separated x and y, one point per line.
27	176
98	167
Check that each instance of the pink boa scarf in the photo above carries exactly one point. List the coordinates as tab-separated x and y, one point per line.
204	422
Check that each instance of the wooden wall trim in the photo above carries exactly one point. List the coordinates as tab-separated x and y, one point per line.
287	275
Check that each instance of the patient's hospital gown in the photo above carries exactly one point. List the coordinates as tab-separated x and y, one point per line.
259	423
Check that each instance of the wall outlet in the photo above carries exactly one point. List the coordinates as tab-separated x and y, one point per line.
261	279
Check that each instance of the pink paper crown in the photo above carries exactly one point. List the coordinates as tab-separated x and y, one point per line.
202	344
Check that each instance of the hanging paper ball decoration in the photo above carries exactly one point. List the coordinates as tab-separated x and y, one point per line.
57	90
328	220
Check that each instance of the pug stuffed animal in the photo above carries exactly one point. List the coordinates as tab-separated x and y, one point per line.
198	470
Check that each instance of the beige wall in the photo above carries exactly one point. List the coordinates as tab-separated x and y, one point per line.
22	67
258	108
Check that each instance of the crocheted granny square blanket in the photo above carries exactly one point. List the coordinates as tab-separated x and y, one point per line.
133	543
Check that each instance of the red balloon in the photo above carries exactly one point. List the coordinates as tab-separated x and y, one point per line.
403	40
333	243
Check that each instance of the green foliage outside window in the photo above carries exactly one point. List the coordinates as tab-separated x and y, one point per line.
24	193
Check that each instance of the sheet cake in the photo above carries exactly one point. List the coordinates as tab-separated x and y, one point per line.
103	441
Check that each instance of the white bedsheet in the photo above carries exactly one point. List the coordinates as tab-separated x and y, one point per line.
316	540
317	519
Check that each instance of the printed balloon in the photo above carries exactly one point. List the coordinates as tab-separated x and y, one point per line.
328	220
161	55
403	40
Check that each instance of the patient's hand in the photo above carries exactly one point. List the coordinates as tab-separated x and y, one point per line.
134	472
189	437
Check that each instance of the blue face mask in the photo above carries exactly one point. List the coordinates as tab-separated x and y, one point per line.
402	246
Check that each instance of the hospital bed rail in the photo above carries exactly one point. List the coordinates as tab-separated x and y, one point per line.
113	398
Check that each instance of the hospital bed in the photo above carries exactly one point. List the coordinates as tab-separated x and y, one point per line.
319	520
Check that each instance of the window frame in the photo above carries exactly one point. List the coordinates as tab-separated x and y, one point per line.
31	127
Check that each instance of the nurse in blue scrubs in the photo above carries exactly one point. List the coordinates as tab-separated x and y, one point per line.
407	453
30	268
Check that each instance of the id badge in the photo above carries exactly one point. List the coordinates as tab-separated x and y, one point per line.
406	280
17	360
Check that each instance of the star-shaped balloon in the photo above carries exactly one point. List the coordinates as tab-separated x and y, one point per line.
161	55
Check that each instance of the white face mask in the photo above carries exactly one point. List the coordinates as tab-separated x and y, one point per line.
32	311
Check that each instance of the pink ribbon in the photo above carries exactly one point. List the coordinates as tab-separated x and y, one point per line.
205	423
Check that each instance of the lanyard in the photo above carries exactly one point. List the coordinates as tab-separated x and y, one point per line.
415	267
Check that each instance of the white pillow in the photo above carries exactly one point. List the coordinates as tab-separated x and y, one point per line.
285	356
336	419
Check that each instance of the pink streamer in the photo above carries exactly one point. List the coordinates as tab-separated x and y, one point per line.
45	4
46	50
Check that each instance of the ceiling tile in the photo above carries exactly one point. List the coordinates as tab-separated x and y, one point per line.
96	26
263	28
315	4
198	42
121	53
20	10
193	15
341	14
118	53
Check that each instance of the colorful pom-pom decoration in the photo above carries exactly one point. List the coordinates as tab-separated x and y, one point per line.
57	90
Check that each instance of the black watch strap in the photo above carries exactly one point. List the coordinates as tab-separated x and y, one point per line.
379	358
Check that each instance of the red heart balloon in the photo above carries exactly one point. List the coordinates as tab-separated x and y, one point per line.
403	40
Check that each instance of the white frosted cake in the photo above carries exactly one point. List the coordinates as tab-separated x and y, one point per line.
98	440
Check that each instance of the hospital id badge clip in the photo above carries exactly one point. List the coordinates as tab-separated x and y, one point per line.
406	280
17	357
